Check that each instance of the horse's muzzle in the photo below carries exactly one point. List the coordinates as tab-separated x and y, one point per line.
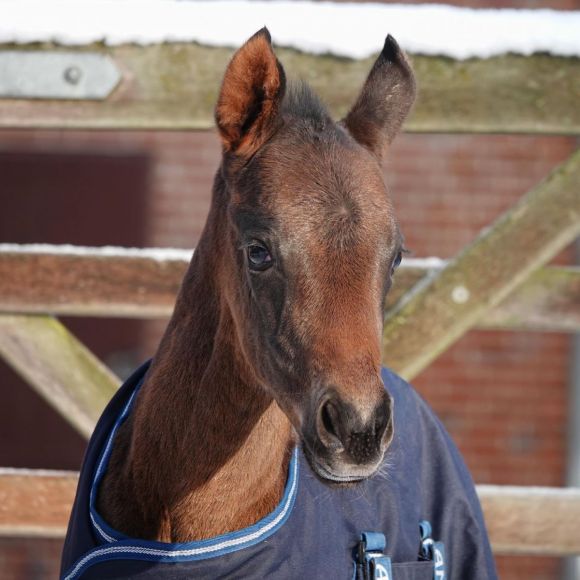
349	445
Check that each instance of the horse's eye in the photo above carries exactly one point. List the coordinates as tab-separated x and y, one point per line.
396	262
259	257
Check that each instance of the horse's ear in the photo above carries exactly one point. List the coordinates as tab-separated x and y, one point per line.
385	100
250	96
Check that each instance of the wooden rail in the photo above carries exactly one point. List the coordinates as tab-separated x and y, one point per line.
116	282
111	282
35	503
532	520
520	520
506	94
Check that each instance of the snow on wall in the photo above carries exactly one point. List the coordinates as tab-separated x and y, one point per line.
350	30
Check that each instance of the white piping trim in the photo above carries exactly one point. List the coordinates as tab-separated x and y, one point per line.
102	532
104	457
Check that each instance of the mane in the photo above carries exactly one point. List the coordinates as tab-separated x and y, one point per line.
302	102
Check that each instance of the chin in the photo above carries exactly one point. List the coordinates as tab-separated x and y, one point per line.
338	477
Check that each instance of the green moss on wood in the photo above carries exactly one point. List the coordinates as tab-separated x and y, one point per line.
174	86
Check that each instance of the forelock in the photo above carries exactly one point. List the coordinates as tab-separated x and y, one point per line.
301	102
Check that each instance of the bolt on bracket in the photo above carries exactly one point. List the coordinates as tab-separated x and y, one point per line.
57	75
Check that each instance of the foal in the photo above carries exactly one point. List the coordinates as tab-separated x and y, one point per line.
276	334
231	454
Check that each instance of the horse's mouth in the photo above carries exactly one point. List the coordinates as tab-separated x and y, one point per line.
326	474
330	476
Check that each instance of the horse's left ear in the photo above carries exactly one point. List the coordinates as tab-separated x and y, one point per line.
385	100
250	96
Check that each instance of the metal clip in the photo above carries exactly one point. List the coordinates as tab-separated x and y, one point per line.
57	75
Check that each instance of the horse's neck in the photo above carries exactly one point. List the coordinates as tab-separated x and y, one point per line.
208	448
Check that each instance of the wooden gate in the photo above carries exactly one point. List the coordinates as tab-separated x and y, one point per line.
499	281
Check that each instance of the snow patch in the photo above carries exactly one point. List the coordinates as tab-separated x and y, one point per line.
160	254
431	263
20	472
157	254
527	491
432	29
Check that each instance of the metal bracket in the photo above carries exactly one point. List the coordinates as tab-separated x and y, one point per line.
56	75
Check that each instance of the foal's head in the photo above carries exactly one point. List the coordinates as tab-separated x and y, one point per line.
312	242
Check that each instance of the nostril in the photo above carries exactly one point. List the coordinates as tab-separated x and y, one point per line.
384	424
383	430
328	422
380	424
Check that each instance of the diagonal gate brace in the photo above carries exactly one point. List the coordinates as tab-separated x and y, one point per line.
439	310
59	368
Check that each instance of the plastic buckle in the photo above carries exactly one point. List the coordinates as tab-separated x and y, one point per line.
375	565
432	551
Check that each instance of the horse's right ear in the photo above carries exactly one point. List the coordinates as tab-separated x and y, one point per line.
385	100
251	93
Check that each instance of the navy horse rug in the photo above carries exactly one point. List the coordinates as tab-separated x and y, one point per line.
371	530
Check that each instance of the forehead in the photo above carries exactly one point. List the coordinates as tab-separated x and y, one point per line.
319	180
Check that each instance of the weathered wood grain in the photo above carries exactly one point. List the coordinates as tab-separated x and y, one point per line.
548	300
58	367
436	312
91	284
35	503
532	520
145	286
520	520
174	86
